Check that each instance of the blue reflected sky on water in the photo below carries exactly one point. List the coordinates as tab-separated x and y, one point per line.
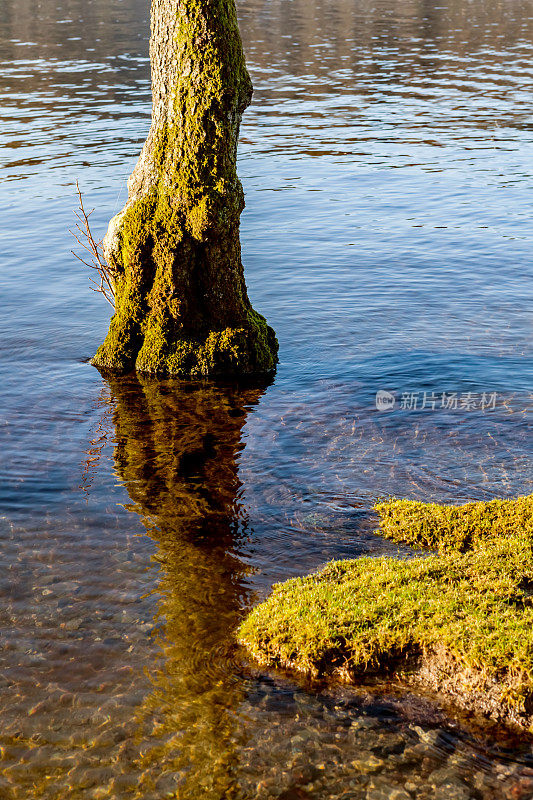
386	237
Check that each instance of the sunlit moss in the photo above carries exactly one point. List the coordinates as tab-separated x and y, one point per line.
464	617
454	527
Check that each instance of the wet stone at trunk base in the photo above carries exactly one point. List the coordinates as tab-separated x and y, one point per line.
182	306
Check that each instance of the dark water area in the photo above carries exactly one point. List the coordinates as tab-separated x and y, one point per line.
386	160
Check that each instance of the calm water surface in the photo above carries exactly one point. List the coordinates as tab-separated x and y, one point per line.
387	162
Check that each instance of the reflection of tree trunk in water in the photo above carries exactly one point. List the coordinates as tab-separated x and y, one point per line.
176	452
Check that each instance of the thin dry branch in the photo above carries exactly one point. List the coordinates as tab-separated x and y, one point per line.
105	284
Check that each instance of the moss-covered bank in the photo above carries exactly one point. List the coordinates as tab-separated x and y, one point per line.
460	621
454	527
181	301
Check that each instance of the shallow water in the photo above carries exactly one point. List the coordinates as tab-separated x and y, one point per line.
386	160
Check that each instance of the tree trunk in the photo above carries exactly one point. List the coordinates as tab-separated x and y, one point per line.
181	302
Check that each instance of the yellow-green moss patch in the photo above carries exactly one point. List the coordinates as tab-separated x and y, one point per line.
454	527
373	614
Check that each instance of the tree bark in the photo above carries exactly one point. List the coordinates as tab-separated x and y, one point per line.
181	302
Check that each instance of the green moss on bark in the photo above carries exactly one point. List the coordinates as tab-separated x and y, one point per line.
181	302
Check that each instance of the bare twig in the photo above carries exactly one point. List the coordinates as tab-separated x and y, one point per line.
105	283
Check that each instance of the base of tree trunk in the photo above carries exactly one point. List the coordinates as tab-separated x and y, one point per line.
250	349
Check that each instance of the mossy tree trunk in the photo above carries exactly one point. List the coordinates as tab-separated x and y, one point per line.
181	302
